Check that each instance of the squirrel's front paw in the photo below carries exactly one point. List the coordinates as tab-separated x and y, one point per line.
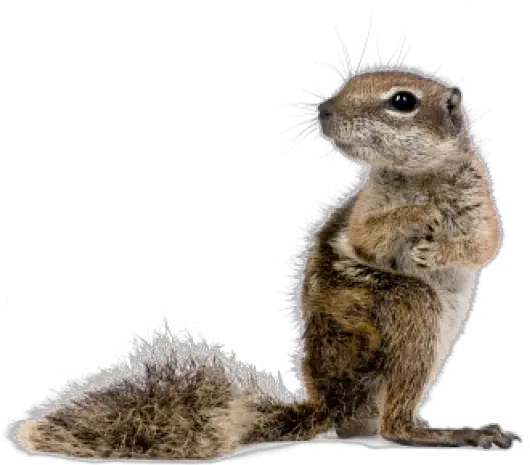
429	224
434	221
427	254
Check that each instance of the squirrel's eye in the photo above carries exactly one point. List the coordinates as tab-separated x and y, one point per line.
403	101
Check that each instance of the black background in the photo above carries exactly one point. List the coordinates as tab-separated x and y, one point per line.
159	169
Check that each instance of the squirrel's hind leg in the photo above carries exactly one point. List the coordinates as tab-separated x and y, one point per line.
412	347
363	426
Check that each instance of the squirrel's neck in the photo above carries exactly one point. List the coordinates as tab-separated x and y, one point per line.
463	154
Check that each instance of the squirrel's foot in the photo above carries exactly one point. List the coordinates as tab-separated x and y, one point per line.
483	437
486	436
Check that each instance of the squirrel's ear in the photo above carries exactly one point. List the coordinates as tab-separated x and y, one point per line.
454	109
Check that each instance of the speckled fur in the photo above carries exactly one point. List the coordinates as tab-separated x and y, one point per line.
181	406
388	282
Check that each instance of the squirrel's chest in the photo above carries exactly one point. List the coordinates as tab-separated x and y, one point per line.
399	194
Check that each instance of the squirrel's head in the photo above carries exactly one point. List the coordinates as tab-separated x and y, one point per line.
395	119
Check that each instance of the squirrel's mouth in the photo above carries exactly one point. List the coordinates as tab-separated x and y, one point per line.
342	146
325	128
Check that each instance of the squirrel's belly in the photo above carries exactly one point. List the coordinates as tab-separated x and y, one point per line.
455	292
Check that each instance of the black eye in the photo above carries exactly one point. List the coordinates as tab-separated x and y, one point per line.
404	101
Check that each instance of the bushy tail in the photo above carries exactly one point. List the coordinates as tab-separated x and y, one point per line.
190	404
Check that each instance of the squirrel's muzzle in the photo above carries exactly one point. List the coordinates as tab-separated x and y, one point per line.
326	110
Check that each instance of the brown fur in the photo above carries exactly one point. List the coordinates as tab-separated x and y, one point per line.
387	282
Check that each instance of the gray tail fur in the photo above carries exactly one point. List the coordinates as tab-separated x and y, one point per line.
187	401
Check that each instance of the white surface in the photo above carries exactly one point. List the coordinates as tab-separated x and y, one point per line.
325	440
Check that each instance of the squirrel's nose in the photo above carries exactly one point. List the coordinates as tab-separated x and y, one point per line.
325	110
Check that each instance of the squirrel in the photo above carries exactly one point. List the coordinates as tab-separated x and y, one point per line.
388	281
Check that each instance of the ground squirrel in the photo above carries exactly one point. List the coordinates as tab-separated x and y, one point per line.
388	281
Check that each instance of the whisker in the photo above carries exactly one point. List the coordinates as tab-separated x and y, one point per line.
302	135
367	38
348	67
400	52
405	55
389	63
334	68
311	129
306	121
317	96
